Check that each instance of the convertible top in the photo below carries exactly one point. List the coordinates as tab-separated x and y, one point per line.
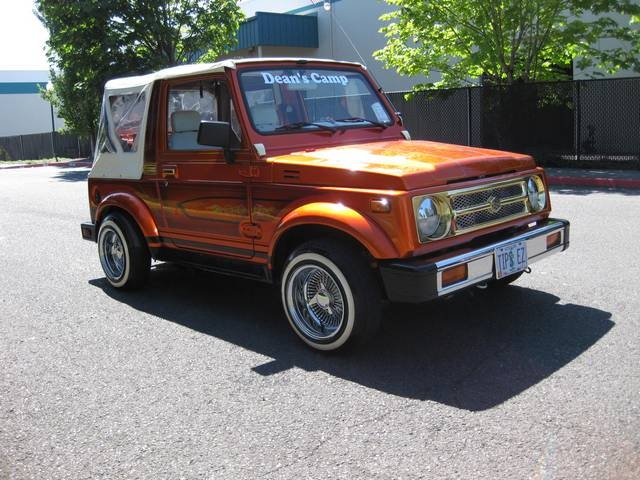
119	150
140	81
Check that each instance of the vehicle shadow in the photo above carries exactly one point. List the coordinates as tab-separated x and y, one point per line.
473	351
72	175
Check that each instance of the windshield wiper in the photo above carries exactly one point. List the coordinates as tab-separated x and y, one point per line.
301	125
362	119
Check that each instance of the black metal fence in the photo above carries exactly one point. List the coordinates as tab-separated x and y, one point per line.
584	122
43	145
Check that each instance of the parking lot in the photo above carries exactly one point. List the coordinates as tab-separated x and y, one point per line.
199	376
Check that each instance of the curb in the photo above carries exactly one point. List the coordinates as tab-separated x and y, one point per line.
72	163
599	182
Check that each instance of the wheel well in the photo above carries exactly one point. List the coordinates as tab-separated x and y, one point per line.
113	209
296	236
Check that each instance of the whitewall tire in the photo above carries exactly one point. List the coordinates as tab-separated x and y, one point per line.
329	295
123	253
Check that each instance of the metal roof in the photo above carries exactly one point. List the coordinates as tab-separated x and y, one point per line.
21	87
279	29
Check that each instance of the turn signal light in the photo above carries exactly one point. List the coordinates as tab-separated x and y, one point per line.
553	240
380	205
454	275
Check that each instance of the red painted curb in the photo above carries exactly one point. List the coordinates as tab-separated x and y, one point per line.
594	182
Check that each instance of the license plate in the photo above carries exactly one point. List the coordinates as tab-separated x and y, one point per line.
510	259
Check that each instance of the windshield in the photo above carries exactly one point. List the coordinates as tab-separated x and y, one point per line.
285	99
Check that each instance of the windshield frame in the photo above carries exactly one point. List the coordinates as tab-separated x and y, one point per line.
339	126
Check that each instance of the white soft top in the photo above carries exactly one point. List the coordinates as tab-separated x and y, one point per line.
120	150
139	82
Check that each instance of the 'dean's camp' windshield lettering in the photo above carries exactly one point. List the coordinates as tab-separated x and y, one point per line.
312	77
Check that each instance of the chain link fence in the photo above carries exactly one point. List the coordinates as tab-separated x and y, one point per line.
43	145
591	123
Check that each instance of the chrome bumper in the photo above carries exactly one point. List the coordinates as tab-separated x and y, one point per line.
419	280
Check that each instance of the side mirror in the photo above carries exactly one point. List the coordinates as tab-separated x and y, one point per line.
400	118
214	134
217	134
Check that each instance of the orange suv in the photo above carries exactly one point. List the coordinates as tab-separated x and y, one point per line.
299	172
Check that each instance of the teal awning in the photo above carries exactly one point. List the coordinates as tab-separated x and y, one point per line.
21	87
278	29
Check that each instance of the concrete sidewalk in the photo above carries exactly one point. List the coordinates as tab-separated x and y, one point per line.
76	162
579	177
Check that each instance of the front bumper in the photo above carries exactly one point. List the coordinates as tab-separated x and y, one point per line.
418	280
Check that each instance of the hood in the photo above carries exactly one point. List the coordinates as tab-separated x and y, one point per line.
397	164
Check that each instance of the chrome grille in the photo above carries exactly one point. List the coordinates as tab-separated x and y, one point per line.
475	198
487	205
473	219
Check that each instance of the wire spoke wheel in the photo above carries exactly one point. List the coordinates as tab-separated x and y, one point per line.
329	294
114	261
317	305
123	252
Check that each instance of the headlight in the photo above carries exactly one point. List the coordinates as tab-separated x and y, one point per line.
536	193
433	217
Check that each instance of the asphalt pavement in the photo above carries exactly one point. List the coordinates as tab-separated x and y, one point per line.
198	375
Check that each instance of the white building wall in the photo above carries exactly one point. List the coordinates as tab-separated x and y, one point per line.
24	113
606	43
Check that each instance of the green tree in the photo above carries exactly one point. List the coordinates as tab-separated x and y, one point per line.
91	41
506	41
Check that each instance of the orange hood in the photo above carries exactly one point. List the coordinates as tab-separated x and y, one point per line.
397	164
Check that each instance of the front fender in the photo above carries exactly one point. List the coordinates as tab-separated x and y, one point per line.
135	207
342	218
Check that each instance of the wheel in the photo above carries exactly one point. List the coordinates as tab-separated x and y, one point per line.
330	295
123	252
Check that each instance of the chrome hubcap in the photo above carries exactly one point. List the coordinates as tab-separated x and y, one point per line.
113	255
316	303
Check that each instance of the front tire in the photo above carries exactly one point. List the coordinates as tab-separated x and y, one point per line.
329	295
123	252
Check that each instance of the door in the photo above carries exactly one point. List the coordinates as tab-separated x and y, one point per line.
205	198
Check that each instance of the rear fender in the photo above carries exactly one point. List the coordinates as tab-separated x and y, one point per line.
136	208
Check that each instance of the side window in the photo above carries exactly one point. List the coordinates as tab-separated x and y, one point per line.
191	102
104	143
126	113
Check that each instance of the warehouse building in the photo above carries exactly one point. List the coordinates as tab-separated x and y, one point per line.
340	29
24	111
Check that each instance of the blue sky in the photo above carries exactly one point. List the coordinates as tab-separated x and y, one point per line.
22	37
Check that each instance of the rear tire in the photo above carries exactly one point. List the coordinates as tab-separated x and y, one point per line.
330	295
123	252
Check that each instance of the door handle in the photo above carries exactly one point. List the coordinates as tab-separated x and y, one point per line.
169	172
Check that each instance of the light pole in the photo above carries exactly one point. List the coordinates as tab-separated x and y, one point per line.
53	125
327	8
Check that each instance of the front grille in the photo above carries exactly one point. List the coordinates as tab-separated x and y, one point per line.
473	199
471	220
488	205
